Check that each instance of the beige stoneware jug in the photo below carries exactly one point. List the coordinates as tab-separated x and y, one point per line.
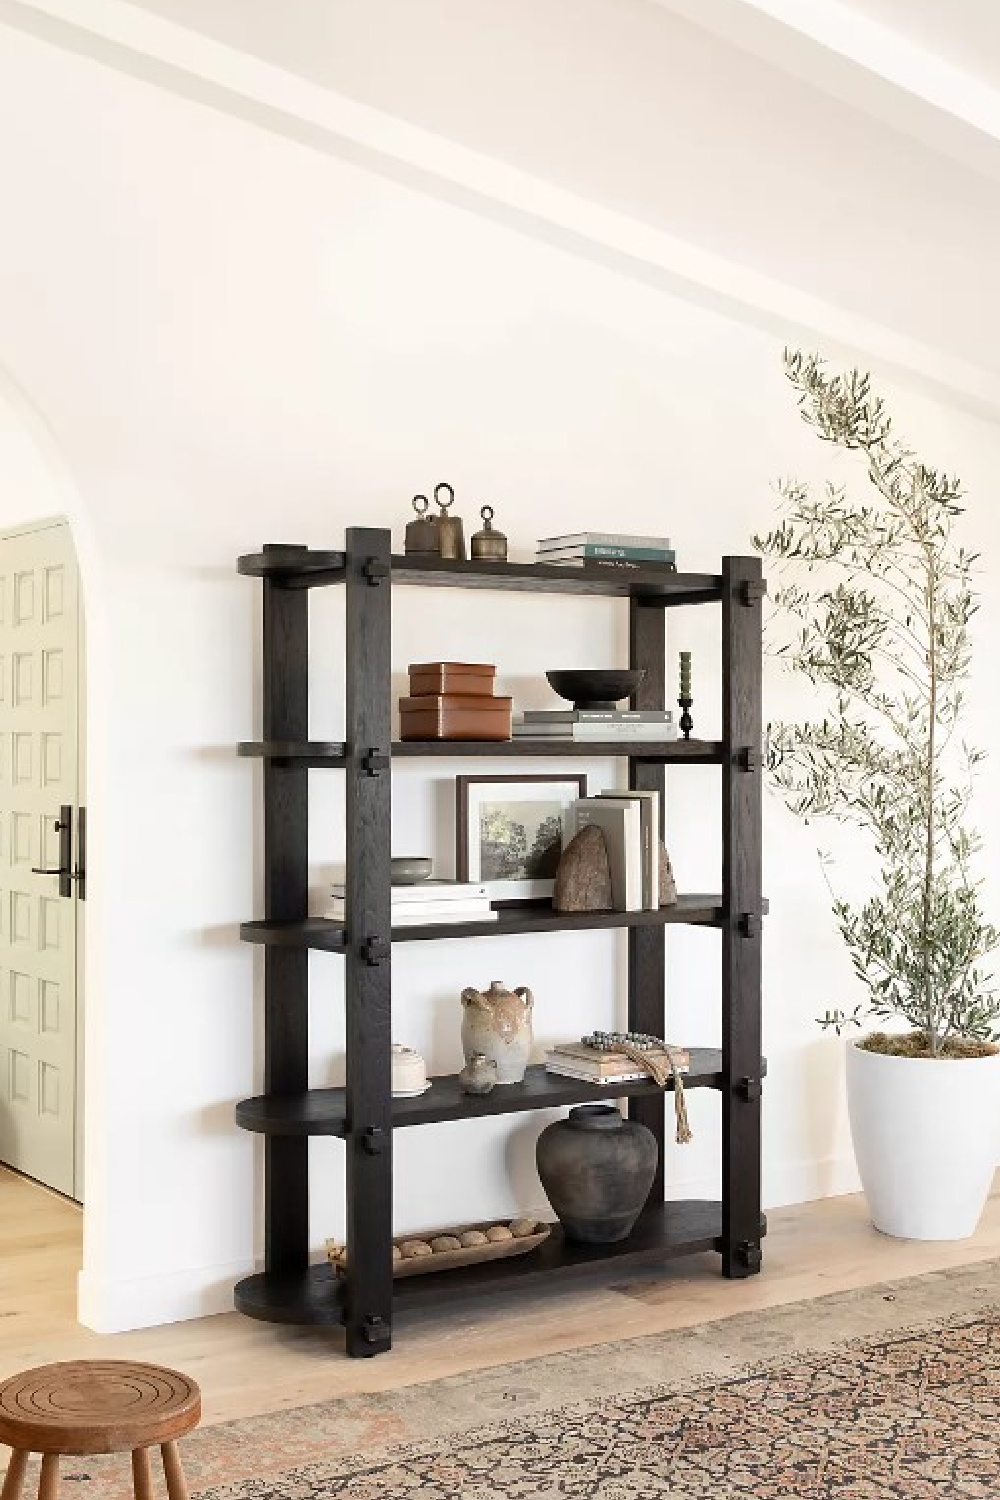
497	1023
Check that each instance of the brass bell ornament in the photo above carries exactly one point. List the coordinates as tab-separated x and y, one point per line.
451	535
489	544
422	533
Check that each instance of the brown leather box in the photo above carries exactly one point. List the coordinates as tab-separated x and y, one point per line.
471	678
455	716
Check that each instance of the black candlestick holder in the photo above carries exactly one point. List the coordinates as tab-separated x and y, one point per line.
686	722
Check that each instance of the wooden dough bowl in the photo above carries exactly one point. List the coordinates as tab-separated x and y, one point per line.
446	1260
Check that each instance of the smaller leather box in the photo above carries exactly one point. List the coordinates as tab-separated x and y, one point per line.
471	678
455	716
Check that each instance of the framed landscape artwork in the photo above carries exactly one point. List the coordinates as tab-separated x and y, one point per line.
510	832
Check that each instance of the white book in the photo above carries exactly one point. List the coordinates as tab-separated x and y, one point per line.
566	1071
649	803
457	914
621	824
425	916
598	552
585	1077
428	890
427	910
635	732
598	716
603	539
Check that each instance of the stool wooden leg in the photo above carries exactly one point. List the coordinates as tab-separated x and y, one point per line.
48	1484
14	1480
176	1483
142	1474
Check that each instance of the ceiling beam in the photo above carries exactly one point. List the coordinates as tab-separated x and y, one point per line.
127	38
836	48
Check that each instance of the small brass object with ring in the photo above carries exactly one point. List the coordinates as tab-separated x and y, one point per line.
422	533
489	543
451	535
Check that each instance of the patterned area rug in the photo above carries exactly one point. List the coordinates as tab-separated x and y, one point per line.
891	1393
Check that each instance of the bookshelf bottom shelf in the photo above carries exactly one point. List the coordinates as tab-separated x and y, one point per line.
315	1295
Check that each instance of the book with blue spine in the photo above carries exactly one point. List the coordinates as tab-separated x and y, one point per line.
603	539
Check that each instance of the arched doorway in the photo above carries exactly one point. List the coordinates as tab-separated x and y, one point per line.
43	821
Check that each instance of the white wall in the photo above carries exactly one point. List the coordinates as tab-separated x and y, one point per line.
236	341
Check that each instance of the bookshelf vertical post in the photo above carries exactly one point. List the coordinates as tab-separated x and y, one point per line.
286	899
742	594
368	977
647	945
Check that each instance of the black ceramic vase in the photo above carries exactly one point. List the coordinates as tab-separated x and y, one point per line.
596	1169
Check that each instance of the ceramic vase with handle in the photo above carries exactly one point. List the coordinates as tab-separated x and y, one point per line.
497	1023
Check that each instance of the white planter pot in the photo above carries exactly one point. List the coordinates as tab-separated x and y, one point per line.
927	1140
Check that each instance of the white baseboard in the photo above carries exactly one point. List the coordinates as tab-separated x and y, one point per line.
149	1301
786	1182
806	1181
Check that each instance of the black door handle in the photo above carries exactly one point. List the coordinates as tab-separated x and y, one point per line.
64	827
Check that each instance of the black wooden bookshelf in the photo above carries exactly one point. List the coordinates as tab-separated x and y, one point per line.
363	1113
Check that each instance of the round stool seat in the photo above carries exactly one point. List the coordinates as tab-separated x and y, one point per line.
96	1406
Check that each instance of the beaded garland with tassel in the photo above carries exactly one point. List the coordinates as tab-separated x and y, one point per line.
638	1047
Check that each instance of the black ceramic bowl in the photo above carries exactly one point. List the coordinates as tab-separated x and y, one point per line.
592	690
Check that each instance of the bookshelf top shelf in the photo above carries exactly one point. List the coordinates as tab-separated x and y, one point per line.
333	754
304	567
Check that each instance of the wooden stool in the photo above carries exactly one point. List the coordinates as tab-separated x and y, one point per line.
97	1406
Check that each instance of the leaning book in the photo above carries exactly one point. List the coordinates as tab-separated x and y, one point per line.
621	824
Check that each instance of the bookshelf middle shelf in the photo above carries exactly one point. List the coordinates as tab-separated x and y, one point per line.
518	917
332	754
324	1111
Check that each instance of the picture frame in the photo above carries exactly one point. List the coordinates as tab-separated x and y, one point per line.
510	831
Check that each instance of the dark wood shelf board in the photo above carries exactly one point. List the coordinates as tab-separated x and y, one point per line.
321	932
315	1295
310	1298
295	567
333	753
296	752
653	584
324	1111
680	752
695	910
314	932
305	567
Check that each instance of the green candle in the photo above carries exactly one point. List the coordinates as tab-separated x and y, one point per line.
685	674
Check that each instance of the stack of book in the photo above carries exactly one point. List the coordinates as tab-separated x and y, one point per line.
581	724
577	1060
630	823
602	549
429	902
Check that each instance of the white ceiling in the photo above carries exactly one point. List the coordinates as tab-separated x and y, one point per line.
308	36
718	138
965	33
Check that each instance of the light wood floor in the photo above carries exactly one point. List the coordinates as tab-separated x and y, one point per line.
245	1368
